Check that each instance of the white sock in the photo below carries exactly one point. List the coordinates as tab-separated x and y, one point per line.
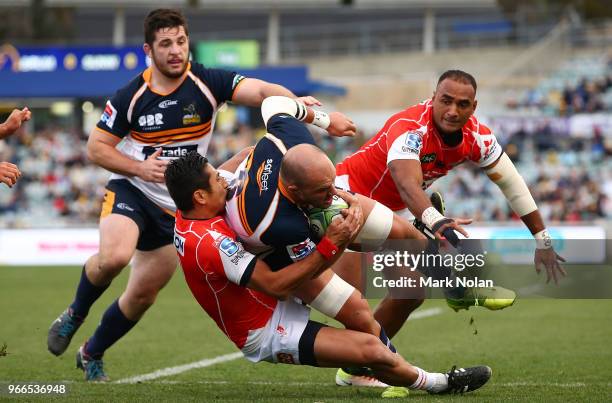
430	381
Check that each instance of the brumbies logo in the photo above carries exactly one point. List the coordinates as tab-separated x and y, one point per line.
191	117
263	174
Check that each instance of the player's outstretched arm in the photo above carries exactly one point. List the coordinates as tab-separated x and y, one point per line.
408	178
504	174
101	151
14	121
336	123
252	92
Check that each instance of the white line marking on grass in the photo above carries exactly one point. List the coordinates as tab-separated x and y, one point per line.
426	313
181	368
170	371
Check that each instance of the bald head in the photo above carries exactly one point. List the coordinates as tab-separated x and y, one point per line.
305	165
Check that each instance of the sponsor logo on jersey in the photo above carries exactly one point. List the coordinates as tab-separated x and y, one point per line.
301	250
412	143
228	246
151	121
167	103
428	158
263	174
281	330
191	117
169	152
109	115
490	147
239	255
179	244
124	206
237	79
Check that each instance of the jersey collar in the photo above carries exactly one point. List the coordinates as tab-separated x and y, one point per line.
146	75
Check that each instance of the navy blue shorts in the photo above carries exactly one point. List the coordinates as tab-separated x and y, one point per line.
156	225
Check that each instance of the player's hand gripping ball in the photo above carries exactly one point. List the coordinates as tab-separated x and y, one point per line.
320	218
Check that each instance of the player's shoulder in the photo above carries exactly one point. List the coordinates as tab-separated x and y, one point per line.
200	229
414	117
127	92
477	129
290	226
208	73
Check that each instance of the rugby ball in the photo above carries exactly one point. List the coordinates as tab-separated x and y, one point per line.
321	218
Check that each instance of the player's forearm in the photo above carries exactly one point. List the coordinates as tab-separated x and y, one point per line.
411	192
109	158
4	131
534	221
270	89
290	278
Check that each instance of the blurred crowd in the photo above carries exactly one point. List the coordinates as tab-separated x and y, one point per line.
580	86
571	179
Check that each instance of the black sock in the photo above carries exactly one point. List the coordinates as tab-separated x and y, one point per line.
86	295
386	341
113	326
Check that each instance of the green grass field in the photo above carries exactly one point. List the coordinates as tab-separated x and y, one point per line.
540	350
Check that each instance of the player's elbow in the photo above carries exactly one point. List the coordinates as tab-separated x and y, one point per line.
92	151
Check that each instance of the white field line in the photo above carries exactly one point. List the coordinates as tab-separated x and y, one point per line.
207	362
426	313
161	373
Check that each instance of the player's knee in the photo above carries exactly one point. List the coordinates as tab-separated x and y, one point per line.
409	305
142	300
374	353
362	318
114	261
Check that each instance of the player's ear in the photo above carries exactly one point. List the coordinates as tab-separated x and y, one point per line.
147	49
199	197
475	104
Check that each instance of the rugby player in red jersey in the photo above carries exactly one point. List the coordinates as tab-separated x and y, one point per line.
253	305
421	144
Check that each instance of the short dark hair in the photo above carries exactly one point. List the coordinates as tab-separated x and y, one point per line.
184	176
163	18
458	75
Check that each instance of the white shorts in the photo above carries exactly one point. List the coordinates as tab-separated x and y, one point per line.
288	337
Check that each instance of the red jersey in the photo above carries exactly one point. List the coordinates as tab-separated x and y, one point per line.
411	134
217	268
